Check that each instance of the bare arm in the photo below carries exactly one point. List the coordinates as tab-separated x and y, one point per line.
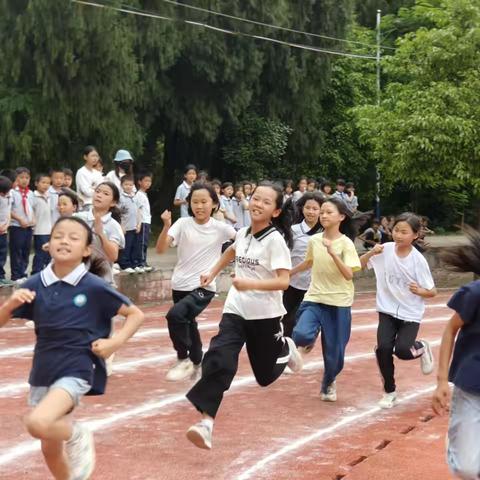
301	267
164	241
378	249
109	247
280	282
17	299
227	257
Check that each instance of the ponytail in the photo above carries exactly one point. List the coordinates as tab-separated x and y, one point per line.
464	258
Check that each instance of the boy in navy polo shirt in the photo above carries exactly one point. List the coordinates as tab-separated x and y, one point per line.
5	209
71	308
463	450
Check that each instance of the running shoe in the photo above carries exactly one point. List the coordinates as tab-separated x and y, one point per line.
80	451
388	400
200	435
182	370
139	270
6	283
295	360
128	270
331	394
426	360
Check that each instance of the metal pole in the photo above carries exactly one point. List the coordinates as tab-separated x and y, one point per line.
377	171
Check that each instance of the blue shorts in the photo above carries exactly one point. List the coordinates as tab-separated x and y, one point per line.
75	387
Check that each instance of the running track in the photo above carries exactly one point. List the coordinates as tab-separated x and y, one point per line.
281	432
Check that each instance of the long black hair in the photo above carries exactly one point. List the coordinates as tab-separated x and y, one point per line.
97	262
115	210
299	216
464	258
283	223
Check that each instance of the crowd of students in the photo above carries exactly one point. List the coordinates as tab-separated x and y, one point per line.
294	264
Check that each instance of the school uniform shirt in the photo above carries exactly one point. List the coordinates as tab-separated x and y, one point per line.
111	176
301	237
53	198
87	181
5	208
258	257
241	214
143	204
69	315
328	285
199	247
465	366
43	216
20	209
129	211
227	204
181	194
297	195
394	274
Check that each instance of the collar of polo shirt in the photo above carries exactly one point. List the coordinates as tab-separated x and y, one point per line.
49	277
105	218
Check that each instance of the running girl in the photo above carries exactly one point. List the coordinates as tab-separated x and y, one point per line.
327	305
252	311
463	450
308	224
71	309
403	282
199	239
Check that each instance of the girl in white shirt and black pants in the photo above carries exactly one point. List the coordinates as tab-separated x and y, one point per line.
252	311
403	282
199	240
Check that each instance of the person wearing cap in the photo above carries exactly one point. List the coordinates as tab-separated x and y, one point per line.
123	163
88	177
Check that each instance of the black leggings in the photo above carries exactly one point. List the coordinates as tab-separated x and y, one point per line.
292	298
267	350
397	337
183	327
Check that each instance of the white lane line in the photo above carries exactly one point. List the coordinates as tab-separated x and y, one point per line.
13	352
323	432
131	365
151	408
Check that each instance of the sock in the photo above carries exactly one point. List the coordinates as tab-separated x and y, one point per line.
75	432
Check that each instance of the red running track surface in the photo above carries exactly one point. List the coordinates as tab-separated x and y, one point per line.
281	432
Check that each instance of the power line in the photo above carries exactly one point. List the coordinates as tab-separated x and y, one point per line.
268	25
142	13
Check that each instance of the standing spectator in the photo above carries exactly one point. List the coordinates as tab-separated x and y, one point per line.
57	178
247	189
326	189
240	209
340	191
202	176
287	190
130	223
189	176
371	236
351	198
5	210
22	221
311	185
302	188
385	230
123	165
227	202
68	174
88	178
43	222
143	204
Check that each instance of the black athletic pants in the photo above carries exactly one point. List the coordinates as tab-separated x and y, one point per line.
397	337
183	327
292	298
267	350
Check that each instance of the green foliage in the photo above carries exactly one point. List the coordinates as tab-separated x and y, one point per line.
255	148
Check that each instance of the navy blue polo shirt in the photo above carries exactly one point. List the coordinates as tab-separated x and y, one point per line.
69	315
465	366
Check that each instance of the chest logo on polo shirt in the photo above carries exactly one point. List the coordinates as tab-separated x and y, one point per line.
80	300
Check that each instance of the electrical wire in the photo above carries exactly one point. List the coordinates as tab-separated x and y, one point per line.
223	30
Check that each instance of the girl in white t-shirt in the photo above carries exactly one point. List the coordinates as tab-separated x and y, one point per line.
307	224
199	239
252	311
403	282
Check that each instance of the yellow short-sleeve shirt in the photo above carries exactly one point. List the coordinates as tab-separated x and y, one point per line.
328	285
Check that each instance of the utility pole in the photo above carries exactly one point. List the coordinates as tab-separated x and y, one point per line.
377	171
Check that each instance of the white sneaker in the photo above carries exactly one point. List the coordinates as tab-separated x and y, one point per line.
80	451
139	270
128	270
288	371
331	395
148	268
30	324
109	364
200	435
388	400
426	360
295	360
115	271
182	370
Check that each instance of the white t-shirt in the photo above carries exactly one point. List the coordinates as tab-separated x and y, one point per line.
393	276
143	204
87	181
258	257
199	248
182	193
